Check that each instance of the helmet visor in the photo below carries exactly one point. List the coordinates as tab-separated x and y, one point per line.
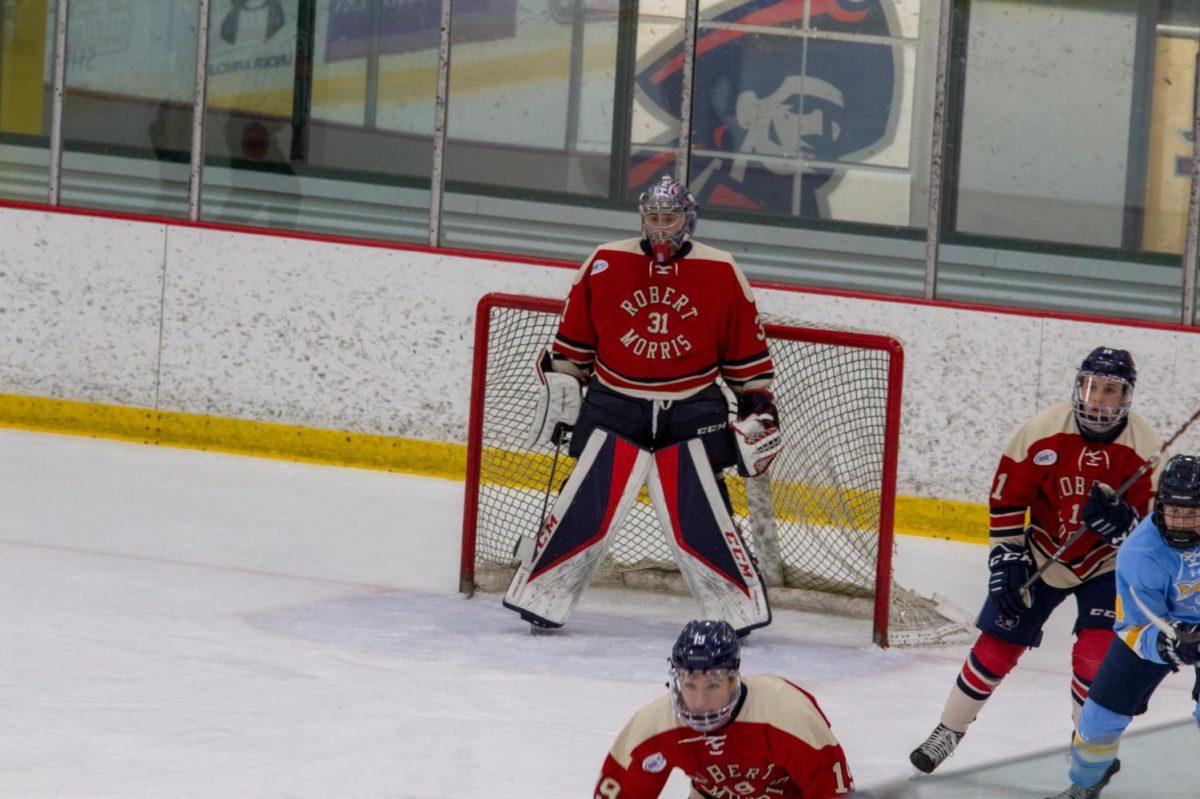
1181	519
662	225
1101	401
704	700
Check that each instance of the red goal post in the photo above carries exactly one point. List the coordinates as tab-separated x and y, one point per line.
820	523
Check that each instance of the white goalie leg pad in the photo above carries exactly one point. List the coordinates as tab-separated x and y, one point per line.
557	566
711	554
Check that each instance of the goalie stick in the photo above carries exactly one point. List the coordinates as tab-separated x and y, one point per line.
1125	486
558	562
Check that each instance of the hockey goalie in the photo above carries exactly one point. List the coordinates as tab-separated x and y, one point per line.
649	326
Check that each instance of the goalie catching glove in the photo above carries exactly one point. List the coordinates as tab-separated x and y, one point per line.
558	404
756	432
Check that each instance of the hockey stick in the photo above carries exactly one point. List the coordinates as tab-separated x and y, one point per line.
1162	624
1125	486
550	482
1166	628
518	547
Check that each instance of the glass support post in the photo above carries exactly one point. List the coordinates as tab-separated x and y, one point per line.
1192	238
371	97
437	179
623	83
59	94
933	228
683	155
575	80
196	166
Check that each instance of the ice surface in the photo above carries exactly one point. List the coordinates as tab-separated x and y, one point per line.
181	623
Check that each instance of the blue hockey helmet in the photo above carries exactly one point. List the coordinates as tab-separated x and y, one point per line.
1104	389
705	650
668	213
1179	487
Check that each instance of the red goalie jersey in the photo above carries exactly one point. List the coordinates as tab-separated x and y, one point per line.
662	331
778	746
1049	468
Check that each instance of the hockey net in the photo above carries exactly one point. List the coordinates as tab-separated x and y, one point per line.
819	524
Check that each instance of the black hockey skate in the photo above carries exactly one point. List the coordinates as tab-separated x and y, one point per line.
1079	792
937	747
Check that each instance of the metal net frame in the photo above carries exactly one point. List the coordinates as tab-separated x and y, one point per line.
819	524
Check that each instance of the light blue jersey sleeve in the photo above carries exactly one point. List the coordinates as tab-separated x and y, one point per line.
1145	580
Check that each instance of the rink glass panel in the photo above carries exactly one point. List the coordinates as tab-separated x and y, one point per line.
127	112
805	111
530	131
1065	185
319	117
26	74
1070	136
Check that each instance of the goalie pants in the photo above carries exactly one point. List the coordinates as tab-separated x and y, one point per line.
655	424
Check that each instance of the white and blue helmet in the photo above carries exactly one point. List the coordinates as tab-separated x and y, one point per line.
668	217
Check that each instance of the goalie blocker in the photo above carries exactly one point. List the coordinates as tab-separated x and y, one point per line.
561	561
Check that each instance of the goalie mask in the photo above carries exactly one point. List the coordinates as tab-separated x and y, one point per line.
668	217
1177	502
705	684
1104	389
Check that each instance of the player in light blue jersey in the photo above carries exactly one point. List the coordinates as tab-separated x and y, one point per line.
1158	625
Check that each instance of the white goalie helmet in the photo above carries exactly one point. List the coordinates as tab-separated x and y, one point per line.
668	213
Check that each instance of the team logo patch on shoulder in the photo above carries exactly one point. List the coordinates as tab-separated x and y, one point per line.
599	266
654	763
1045	457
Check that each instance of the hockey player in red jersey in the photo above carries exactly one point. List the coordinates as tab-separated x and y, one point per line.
754	737
649	326
1062	467
650	323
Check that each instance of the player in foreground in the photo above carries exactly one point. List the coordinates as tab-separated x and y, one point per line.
753	737
649	326
1061	468
1158	577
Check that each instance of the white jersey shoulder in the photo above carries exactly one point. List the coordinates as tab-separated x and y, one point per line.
653	719
632	245
774	701
1058	418
1139	436
704	252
